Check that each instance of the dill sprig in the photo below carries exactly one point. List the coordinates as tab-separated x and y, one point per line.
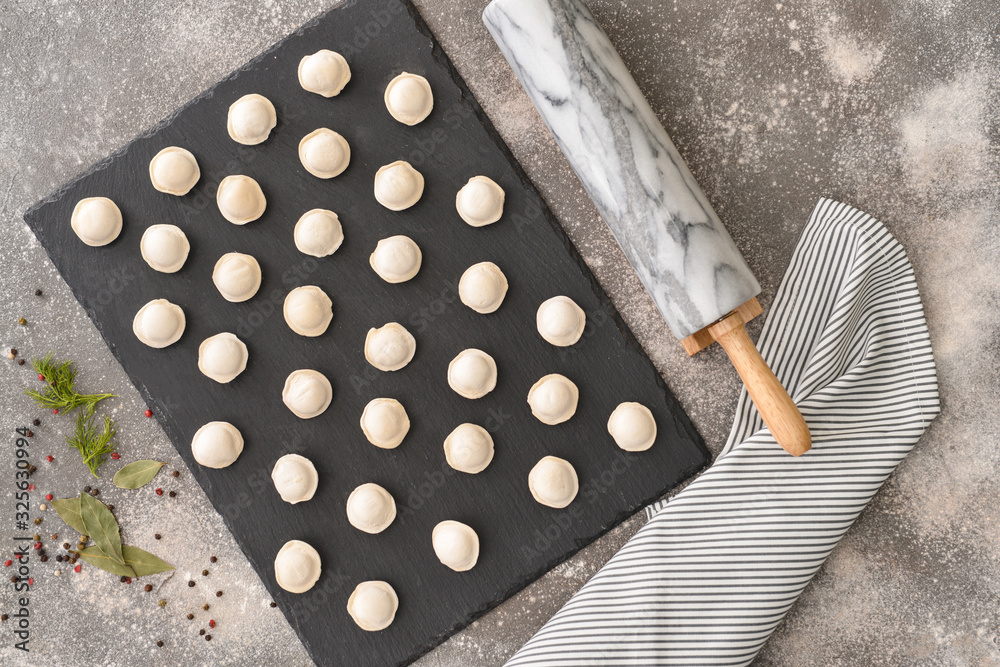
92	441
59	393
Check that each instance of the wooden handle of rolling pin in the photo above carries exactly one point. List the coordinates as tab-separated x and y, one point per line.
773	403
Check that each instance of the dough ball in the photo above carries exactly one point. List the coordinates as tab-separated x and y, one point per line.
159	323
390	347
469	448
297	566
482	287
398	185
236	276
217	445
472	374
295	478
370	508
308	311
560	321
385	422
307	393
324	153
408	98
174	170
456	545
553	482
222	357
251	119
164	247
633	427
480	201
324	73
97	220
240	199
553	399
396	259
373	605
318	233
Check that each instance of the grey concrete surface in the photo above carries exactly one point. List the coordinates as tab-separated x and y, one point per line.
891	105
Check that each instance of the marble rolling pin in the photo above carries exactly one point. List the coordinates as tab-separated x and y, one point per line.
643	190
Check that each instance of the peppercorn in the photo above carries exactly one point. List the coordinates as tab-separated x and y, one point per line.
38	292
211	623
22	321
29	433
159	643
77	568
208	638
43	558
202	631
172	494
14	579
204	573
157	536
176	473
66	545
95	492
205	606
218	594
128	580
3	617
20	362
115	455
36	422
162	603
111	508
32	469
59	559
147	587
213	559
122	579
274	604
86	489
148	413
191	584
38	521
37	537
190	616
12	354
159	492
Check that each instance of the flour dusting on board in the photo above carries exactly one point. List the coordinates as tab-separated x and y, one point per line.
847	58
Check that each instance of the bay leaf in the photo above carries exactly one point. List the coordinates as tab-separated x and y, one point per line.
143	562
102	527
68	510
96	557
136	474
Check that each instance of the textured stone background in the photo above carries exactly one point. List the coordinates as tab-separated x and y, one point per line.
891	105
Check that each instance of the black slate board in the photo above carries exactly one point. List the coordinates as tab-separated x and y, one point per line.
520	538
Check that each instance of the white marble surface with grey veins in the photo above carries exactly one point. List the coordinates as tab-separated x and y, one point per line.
624	158
890	105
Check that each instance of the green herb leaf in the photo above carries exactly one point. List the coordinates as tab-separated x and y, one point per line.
59	393
96	557
69	511
143	562
102	527
93	444
137	474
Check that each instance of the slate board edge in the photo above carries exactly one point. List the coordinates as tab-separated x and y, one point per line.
680	417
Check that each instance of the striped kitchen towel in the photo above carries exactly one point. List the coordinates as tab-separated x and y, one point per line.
710	576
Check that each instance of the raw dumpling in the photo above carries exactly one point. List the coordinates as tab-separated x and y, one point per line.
222	357
396	259
456	545
370	508
482	287
553	399
159	323
217	445
308	311
251	119
297	566
98	221
307	393
633	427
295	478
240	199
480	201
373	605
390	347
385	423
318	233
398	185
174	170
553	482
469	448
472	374
237	276
560	321
408	98
164	247
324	153
324	73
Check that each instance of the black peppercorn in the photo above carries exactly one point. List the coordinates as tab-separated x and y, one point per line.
38	522
202	631
159	643
172	494
66	545
86	489
13	579
3	617
218	594
44	559
191	584
213	559
204	573
208	638
111	508
176	473
29	433
147	587
122	580
58	559
190	616
205	606
38	292
157	536
95	492
32	469
274	604
36	422
20	362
